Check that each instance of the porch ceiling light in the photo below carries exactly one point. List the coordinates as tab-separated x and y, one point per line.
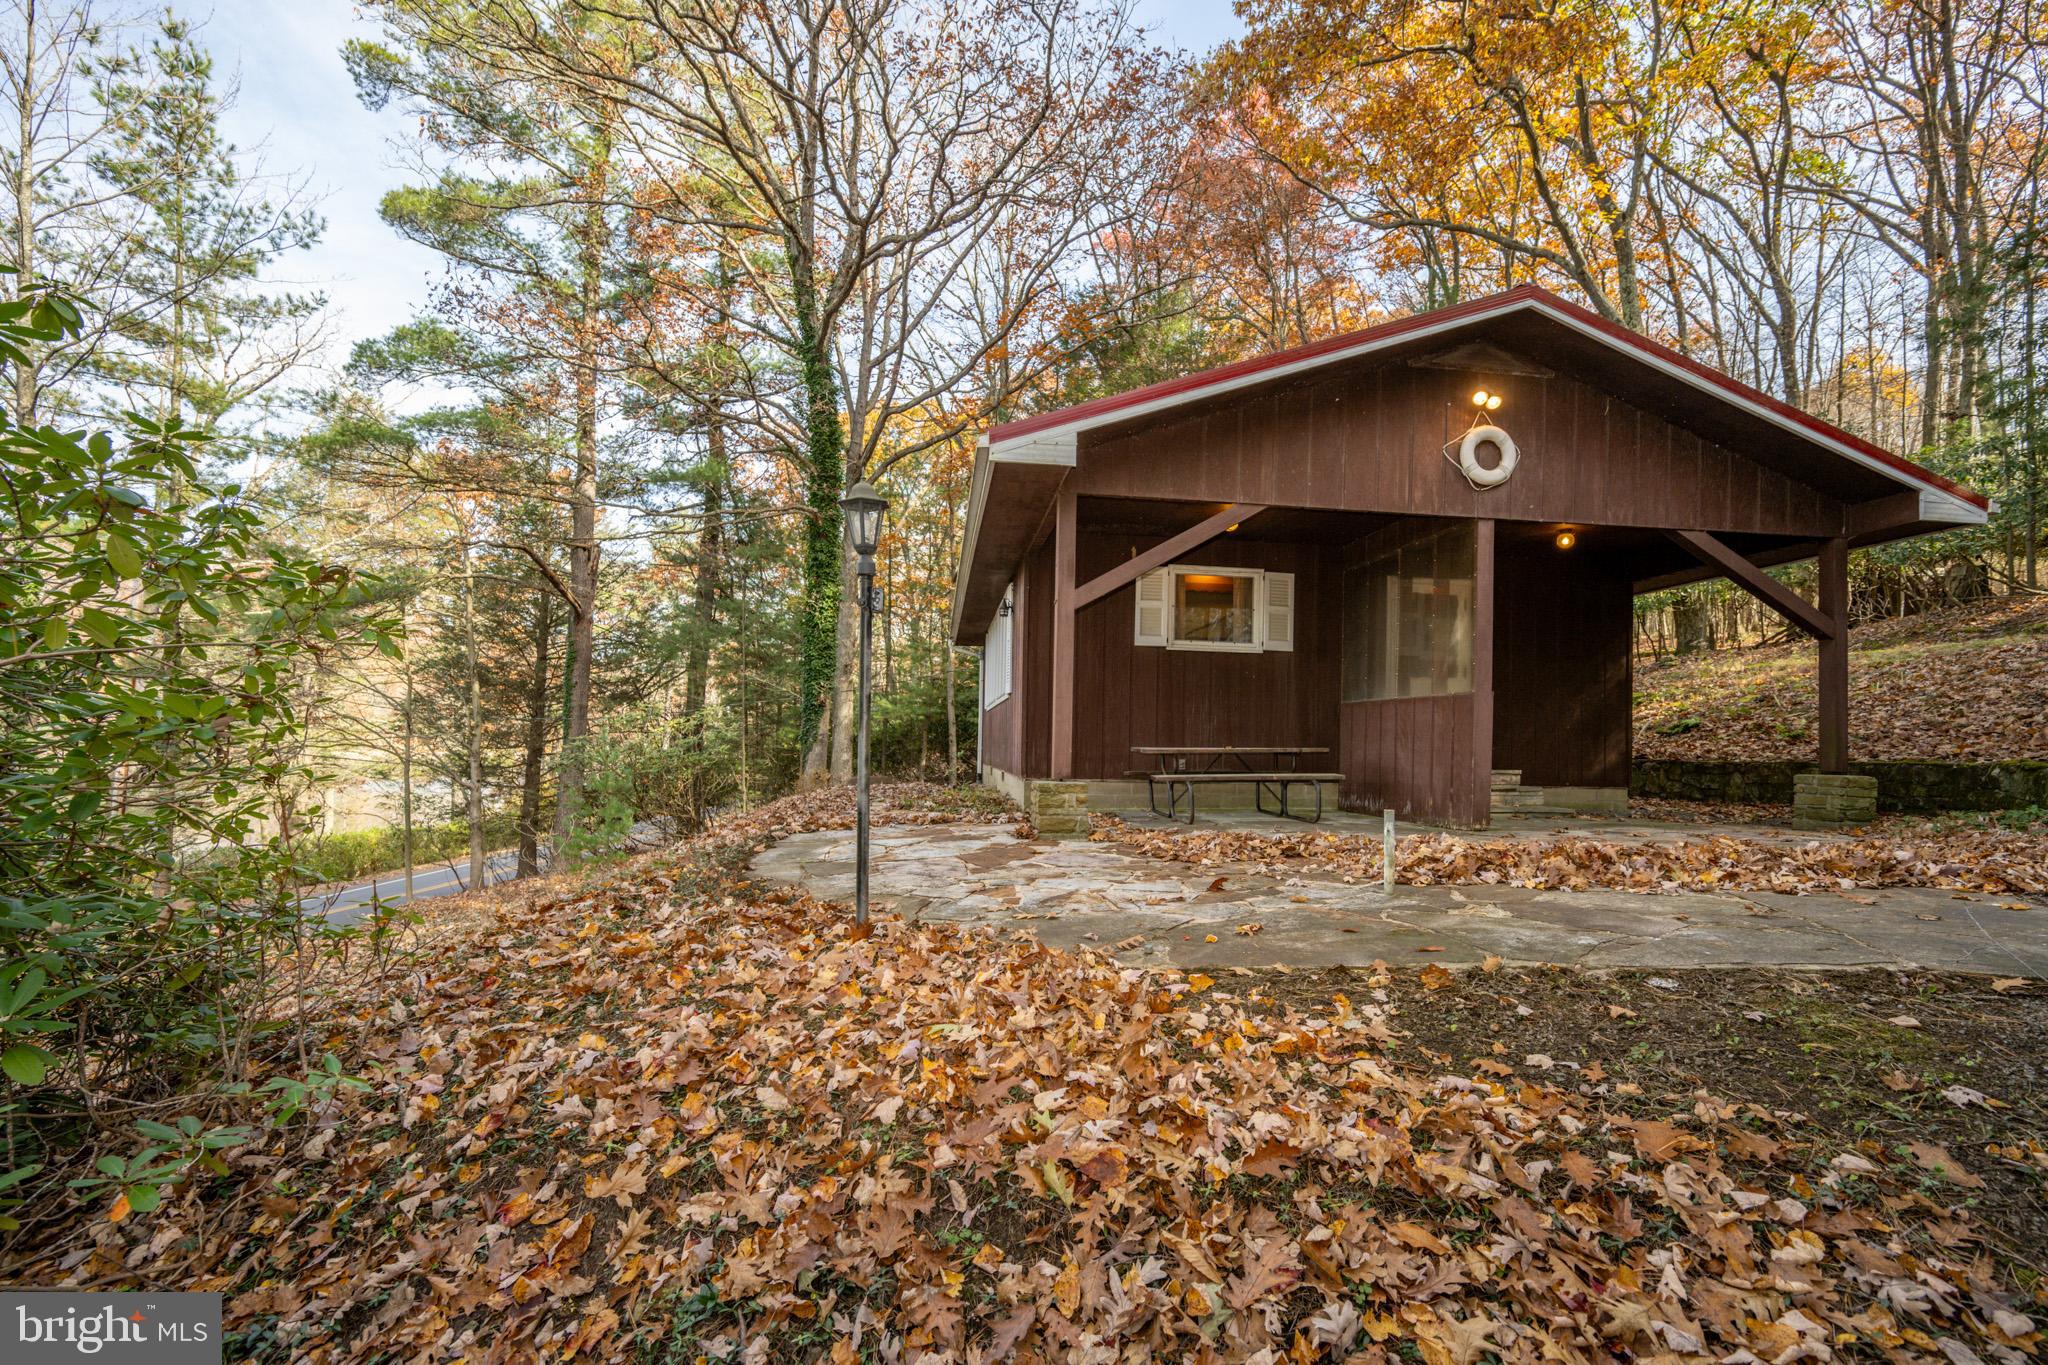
1566	539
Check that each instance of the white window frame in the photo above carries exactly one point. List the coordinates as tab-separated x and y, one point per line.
1176	572
1158	591
998	653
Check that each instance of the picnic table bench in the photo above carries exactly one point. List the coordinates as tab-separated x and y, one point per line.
1180	768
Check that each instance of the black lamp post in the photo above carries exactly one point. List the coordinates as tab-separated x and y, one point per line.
863	507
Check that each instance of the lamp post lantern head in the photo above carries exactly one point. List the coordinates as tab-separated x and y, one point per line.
864	507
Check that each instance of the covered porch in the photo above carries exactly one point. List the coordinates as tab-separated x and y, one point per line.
1454	670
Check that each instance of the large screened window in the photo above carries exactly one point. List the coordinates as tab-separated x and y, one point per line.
1408	619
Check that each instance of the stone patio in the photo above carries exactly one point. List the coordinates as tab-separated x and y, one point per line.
1151	912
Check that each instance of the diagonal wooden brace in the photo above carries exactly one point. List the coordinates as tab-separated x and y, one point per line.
1136	567
1717	554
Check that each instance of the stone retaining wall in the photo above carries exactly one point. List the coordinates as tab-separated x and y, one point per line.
1909	786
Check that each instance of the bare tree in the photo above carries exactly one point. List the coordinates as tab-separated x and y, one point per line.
853	159
1934	111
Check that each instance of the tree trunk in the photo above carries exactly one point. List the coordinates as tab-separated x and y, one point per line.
704	613
846	666
476	722
583	547
822	613
536	733
946	645
25	207
888	576
405	787
1689	621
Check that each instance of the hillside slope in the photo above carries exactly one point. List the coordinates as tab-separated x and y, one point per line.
1969	684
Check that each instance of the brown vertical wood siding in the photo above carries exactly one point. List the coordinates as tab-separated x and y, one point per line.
1413	755
1002	725
1372	441
1034	684
1127	694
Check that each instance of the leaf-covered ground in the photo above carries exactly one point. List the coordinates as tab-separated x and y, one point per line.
1963	856
1968	684
671	1117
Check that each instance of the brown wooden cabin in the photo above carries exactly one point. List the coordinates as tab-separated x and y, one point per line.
1287	550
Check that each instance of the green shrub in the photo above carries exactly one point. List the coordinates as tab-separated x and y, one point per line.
149	631
355	854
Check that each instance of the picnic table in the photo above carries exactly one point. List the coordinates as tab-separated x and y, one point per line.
1180	768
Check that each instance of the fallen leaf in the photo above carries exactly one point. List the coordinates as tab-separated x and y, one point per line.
1934	1157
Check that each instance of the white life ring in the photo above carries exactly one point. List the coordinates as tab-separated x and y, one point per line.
1468	456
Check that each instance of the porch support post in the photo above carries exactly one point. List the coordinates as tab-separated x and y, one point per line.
1138	565
1479	781
1065	527
1834	657
1827	622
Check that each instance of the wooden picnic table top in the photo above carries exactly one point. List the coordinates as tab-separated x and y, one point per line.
1230	749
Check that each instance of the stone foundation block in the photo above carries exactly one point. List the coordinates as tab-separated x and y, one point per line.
1059	809
1832	800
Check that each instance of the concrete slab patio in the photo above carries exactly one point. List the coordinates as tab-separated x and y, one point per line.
1152	912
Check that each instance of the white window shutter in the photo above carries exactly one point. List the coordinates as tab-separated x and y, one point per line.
1277	612
996	656
1154	600
991	661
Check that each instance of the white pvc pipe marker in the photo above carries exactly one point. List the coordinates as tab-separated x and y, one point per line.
1387	850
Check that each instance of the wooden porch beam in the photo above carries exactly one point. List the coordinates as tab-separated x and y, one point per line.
1138	565
1717	554
1883	514
1699	573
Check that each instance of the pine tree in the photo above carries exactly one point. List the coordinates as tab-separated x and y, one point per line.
194	335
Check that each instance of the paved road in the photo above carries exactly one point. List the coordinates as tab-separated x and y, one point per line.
345	905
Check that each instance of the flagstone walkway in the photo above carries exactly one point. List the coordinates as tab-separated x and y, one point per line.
1151	912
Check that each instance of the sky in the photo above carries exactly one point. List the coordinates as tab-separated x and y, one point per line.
298	113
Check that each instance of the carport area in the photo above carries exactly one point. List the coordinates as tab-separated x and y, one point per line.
1153	912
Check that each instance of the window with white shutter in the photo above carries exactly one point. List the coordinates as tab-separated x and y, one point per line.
1276	611
1231	610
1152	608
